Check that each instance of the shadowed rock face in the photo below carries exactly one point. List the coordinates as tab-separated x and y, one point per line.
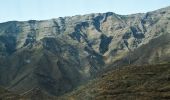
104	43
59	54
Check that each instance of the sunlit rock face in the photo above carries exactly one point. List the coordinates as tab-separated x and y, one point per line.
59	54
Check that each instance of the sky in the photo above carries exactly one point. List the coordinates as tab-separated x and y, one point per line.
22	10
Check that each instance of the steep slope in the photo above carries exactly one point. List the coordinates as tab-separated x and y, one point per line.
59	54
148	82
156	51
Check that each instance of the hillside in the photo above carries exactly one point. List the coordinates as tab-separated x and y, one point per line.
7	95
147	82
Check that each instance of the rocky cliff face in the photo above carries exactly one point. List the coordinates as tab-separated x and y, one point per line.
59	54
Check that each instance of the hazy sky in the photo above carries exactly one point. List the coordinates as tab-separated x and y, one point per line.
47	9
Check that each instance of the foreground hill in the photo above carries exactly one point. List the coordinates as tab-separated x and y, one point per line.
147	82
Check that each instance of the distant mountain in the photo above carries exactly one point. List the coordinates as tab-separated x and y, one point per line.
56	56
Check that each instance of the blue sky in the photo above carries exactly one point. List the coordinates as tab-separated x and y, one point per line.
47	9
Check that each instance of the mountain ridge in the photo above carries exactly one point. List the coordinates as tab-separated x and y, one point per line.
167	7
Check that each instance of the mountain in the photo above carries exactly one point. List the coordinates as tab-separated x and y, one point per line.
56	56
